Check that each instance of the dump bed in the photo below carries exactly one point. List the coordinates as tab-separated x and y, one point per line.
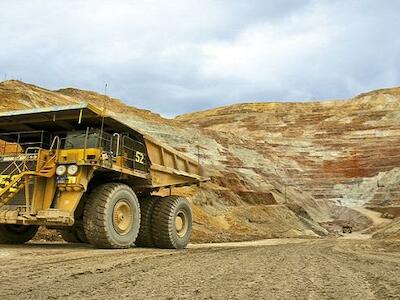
166	166
169	167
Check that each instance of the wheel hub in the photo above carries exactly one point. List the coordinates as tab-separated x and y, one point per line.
181	224
122	217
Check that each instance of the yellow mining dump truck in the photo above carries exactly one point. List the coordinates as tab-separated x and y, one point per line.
90	176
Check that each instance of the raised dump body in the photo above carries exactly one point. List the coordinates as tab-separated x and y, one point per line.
58	165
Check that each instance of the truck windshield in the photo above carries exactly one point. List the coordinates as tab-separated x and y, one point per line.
94	139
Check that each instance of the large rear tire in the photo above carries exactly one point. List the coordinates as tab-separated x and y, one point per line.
145	236
172	223
111	217
17	234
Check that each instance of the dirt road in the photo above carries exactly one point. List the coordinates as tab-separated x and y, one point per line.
374	216
272	269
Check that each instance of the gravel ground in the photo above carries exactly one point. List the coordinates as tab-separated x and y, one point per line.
270	269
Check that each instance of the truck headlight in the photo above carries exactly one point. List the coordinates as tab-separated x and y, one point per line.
73	170
60	170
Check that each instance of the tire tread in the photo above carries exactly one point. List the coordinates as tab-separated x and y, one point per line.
163	220
95	212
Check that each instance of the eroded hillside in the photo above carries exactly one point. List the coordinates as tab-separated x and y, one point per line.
342	152
278	169
336	153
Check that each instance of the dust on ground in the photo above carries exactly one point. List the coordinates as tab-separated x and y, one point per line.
278	269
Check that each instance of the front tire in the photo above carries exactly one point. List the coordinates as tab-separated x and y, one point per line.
172	223
17	234
111	216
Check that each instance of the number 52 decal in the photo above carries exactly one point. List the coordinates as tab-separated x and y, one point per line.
139	157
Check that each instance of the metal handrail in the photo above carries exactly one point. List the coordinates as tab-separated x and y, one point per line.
133	150
118	143
20	132
28	135
37	149
17	168
58	140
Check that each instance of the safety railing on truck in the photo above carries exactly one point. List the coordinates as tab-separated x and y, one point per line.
88	139
22	162
131	151
23	140
133	154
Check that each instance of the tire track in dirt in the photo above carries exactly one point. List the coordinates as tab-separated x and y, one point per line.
382	271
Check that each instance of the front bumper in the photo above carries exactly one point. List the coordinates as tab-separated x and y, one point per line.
52	217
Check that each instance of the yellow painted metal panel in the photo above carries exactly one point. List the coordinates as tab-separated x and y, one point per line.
169	167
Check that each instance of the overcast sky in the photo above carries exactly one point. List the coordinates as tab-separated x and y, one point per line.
177	56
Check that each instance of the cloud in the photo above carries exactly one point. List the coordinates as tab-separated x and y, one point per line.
178	56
